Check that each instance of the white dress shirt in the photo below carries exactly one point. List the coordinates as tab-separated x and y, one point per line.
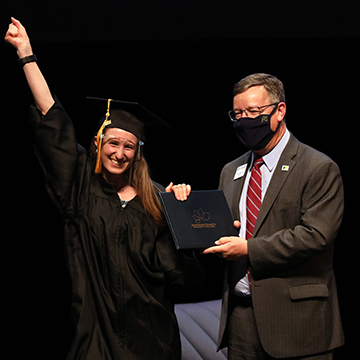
271	159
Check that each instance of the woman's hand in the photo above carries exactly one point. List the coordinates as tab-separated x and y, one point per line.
17	37
181	191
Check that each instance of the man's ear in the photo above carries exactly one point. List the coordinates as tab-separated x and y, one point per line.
281	111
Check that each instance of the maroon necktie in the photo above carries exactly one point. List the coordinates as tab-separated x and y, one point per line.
253	198
253	201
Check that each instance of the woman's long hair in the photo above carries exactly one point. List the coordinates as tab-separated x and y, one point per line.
139	179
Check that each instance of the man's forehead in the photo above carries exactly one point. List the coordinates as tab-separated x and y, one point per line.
252	97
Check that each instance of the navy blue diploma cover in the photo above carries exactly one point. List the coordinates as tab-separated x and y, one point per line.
200	220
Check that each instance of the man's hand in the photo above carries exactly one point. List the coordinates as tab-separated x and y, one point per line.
230	248
17	37
181	191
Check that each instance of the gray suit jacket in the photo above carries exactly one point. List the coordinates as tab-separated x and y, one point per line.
291	253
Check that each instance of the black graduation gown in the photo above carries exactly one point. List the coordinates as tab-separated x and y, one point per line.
121	263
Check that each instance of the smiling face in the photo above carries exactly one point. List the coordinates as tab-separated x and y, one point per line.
117	153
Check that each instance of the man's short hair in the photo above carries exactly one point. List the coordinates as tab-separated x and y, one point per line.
272	84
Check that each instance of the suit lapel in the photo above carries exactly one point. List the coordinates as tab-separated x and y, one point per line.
237	188
281	174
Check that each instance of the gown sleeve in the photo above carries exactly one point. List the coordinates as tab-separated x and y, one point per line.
181	268
57	151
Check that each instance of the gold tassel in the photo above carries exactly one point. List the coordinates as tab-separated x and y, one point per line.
99	139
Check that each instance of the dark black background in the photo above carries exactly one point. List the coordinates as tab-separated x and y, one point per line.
180	59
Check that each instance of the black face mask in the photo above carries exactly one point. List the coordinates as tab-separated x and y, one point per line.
255	133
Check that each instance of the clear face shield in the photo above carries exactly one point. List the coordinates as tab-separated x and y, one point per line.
128	146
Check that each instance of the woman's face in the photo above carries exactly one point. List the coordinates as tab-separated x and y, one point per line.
118	151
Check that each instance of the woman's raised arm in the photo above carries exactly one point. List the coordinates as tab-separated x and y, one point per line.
17	36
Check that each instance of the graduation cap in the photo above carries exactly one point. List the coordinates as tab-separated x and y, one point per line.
126	115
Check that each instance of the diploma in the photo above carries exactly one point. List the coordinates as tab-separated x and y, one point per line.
200	220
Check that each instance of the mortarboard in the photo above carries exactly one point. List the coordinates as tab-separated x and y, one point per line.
126	115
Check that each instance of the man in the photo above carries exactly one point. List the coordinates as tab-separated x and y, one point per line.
280	297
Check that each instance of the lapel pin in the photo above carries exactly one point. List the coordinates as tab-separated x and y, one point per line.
285	168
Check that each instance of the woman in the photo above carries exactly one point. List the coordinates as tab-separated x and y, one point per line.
121	256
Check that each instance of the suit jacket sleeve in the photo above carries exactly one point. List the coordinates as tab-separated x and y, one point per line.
321	209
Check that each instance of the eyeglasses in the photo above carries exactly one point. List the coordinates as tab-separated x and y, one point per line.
236	115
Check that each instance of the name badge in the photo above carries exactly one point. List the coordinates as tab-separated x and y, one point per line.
240	171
